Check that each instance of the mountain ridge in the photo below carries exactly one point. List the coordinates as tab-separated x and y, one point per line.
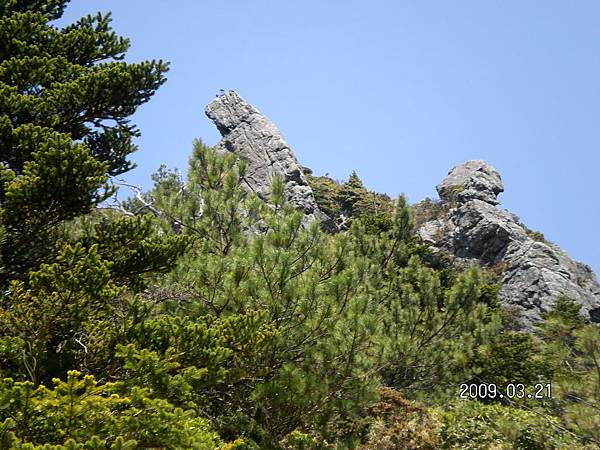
465	226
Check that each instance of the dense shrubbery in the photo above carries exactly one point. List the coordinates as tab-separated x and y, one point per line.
343	202
79	410
473	425
198	316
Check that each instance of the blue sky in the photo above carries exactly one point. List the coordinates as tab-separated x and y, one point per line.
400	91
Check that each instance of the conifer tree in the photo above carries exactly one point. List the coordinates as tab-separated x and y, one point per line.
374	210
304	288
352	191
572	347
65	99
430	329
341	310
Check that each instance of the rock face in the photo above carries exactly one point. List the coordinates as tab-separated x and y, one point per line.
254	138
534	272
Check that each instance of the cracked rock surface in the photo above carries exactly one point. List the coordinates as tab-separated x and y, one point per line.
254	138
475	231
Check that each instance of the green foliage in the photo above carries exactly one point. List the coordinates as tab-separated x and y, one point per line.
474	425
344	309
303	283
211	206
573	348
352	192
326	192
135	246
374	210
47	313
353	200
65	100
81	411
64	129
431	322
59	182
510	358
195	361
433	332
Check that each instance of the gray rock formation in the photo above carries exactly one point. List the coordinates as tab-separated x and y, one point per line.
473	230
467	225
253	137
469	181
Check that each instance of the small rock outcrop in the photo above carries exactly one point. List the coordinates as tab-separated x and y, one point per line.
469	181
254	138
535	273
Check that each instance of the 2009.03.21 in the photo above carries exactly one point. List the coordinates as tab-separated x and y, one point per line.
540	391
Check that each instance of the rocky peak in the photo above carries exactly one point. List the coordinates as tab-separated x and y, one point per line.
470	228
472	180
466	223
254	138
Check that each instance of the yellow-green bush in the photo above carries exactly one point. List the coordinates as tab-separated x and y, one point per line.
79	411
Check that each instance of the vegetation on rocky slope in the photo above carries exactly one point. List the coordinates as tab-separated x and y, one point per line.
198	316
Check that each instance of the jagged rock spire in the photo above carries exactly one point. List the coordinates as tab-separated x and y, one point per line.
253	137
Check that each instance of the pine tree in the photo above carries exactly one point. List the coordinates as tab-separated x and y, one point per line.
65	99
312	320
430	328
374	210
352	191
572	347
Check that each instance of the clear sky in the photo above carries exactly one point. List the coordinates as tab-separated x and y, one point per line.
400	91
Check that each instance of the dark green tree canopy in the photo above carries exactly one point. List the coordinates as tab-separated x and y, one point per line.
65	101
